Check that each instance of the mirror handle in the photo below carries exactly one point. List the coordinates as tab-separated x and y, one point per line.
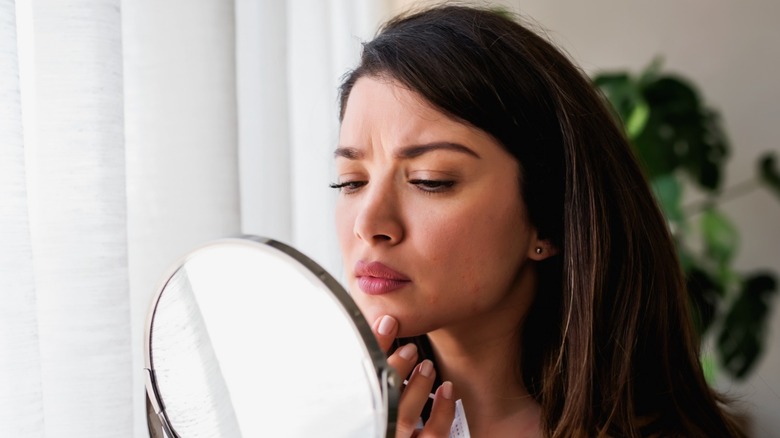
391	384
157	405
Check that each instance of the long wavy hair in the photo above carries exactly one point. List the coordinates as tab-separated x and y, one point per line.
608	346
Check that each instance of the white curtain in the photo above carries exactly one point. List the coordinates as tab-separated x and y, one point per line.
21	404
65	320
130	133
291	57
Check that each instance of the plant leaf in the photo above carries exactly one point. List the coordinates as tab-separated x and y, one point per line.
721	237
622	93
709	368
769	173
670	125
651	72
708	149
687	261
638	119
678	97
705	293
668	191
682	132
742	335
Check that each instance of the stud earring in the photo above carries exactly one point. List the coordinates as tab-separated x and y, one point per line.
538	249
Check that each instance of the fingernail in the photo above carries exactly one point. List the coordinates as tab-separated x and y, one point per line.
408	351
386	325
426	367
446	390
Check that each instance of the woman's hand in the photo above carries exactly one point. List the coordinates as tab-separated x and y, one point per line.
415	395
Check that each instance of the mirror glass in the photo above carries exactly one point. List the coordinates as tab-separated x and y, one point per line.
248	337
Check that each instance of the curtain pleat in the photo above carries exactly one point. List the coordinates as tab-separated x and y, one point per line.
263	118
21	405
313	129
79	219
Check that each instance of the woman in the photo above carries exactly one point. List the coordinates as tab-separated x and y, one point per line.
491	212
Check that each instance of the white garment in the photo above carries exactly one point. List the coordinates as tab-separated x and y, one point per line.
460	427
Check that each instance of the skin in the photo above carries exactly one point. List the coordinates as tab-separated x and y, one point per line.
439	202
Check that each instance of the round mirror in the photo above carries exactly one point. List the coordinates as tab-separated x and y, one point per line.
249	337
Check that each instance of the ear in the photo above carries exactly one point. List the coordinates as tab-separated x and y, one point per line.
541	249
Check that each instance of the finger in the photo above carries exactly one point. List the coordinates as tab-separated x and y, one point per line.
442	413
413	398
403	359
385	328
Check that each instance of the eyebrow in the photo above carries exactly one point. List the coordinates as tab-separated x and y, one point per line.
406	152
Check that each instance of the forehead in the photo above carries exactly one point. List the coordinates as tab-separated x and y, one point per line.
382	110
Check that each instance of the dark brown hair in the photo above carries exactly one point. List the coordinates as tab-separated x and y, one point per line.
608	346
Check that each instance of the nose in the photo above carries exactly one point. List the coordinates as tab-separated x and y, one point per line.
378	220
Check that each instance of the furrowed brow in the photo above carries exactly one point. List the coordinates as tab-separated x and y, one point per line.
349	153
414	151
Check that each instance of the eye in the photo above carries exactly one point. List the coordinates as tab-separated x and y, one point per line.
348	187
432	186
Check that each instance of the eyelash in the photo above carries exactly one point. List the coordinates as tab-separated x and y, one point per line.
424	185
350	186
432	185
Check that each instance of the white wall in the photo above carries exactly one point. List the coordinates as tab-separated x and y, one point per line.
732	51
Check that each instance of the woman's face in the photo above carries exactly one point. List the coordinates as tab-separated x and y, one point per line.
430	219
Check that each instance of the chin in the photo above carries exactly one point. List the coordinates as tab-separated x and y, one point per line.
369	311
412	322
411	325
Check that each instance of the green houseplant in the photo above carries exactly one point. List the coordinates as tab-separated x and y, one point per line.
681	144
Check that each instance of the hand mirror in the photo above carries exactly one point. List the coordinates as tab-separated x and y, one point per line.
249	337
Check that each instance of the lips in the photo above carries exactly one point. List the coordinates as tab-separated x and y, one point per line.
374	278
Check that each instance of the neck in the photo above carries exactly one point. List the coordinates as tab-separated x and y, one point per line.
486	377
482	360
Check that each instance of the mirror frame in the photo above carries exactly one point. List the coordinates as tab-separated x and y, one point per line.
389	381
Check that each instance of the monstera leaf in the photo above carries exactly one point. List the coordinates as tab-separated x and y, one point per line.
741	336
704	292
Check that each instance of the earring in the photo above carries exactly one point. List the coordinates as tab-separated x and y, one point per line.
538	249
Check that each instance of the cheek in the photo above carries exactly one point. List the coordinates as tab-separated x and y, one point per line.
475	249
473	234
344	226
